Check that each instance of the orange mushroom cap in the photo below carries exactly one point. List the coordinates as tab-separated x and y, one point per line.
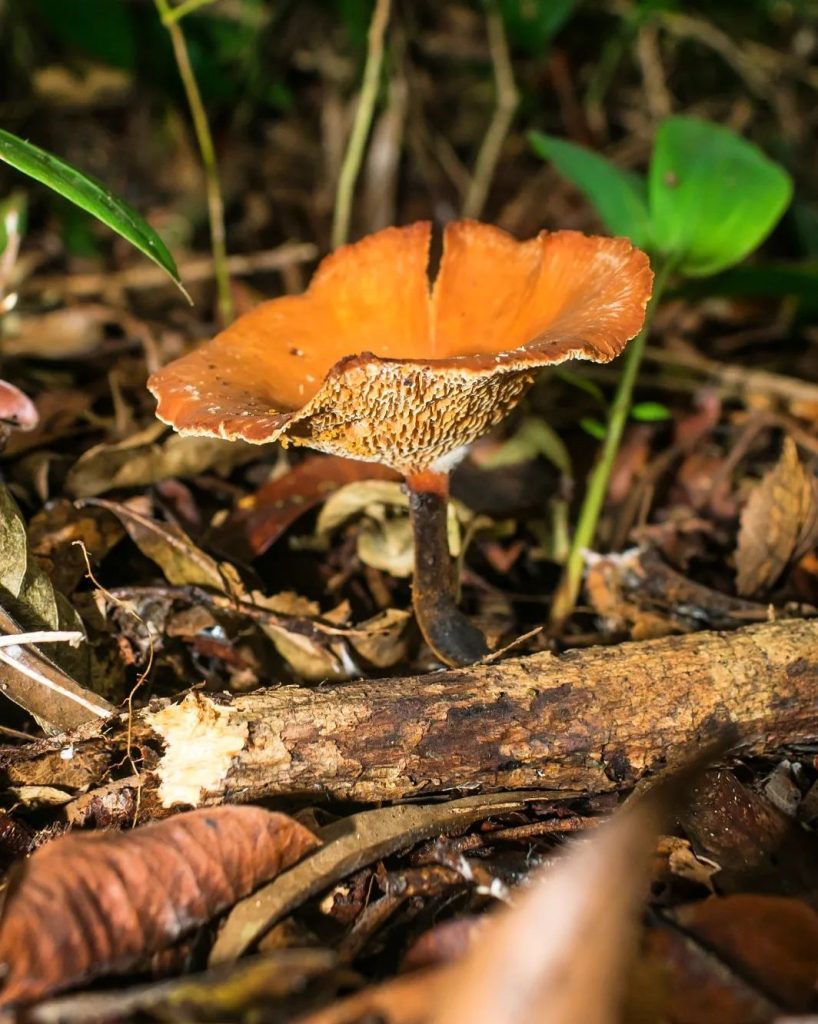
371	364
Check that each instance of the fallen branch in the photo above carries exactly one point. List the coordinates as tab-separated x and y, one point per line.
589	720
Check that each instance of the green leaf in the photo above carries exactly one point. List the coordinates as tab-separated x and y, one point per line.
89	195
596	428
533	23
650	412
590	387
619	197
534	437
714	197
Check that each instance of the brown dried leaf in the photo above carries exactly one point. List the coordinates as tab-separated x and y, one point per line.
779	523
561	952
146	458
261	518
95	903
350	844
771	941
181	561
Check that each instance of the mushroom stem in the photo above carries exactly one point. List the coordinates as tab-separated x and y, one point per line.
452	638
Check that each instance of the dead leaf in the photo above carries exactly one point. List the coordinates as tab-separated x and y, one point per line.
757	847
678	981
638	592
350	844
59	333
27	595
261	518
384	538
170	547
242	991
54	531
560	954
403	1000
779	523
771	941
382	640
96	903
141	460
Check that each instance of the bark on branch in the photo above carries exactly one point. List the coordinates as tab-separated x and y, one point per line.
586	720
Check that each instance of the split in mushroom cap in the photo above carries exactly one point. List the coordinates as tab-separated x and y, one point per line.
368	363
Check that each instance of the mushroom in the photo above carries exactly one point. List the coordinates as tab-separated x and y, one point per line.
371	363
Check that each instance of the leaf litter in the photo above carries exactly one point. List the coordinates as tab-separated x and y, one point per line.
222	552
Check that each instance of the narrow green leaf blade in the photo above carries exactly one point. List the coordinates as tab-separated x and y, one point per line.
89	195
619	197
714	197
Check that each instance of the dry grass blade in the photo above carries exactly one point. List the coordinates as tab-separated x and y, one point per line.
91	904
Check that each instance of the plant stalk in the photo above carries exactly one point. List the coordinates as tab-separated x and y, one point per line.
565	598
452	638
204	138
353	156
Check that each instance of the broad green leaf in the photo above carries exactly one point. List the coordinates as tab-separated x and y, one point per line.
650	412
89	195
619	197
714	197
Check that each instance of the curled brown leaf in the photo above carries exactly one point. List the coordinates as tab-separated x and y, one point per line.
779	523
96	903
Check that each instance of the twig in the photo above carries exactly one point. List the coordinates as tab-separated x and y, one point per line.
141	677
568	590
146	275
735	379
56	699
657	95
204	138
43	636
386	143
587	721
506	104
360	128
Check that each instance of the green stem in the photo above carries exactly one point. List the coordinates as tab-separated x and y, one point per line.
215	205
360	128
185	8
566	596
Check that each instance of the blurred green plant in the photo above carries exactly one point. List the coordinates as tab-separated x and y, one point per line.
710	199
90	196
171	19
531	24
